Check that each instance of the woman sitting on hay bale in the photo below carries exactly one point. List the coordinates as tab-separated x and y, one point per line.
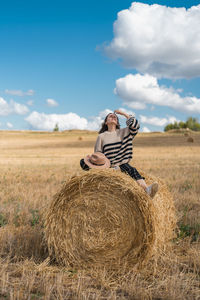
113	149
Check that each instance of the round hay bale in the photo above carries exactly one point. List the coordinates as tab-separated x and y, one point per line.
102	218
80	138
190	140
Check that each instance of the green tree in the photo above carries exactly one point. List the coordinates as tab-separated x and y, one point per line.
168	127
191	123
56	128
182	124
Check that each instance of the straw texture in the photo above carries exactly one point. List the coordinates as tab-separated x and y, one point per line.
102	218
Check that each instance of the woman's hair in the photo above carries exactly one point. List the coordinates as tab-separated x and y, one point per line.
104	127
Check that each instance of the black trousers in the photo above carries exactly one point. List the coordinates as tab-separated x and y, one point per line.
126	168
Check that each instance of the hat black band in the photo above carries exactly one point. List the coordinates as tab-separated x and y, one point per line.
96	164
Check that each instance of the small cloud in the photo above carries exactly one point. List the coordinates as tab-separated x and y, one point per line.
51	102
155	121
18	108
19	93
9	125
146	129
30	102
12	107
179	91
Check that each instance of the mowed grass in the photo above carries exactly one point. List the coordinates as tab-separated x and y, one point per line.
34	166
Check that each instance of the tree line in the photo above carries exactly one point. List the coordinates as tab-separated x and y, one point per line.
191	123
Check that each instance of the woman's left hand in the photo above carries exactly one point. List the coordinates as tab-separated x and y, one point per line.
117	111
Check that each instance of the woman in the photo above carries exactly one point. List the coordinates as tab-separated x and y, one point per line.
116	145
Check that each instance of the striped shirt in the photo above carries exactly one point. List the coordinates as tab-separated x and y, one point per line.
117	145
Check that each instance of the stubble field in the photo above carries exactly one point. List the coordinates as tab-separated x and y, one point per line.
34	166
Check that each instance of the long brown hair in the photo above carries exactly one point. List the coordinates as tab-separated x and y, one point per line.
104	127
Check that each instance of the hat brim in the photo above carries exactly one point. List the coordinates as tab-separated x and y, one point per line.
105	166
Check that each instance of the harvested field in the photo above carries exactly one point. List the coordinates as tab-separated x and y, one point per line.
35	165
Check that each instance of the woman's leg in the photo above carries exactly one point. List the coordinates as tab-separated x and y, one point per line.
151	190
133	172
142	183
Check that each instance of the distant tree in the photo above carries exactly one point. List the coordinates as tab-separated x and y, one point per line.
176	125
191	123
56	128
169	127
182	124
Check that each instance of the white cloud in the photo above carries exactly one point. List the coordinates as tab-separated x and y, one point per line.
19	93
94	122
134	104
159	40
51	102
18	108
42	121
30	102
104	113
9	125
157	121
12	108
146	129
144	89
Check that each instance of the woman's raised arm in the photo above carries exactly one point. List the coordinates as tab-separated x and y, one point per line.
119	112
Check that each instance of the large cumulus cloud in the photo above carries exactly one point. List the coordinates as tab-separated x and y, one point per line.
159	40
139	90
43	121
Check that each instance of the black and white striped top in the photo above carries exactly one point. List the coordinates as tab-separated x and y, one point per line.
117	145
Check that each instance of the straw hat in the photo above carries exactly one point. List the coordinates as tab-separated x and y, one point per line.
97	161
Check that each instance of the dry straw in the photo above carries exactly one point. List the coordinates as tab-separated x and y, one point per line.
103	218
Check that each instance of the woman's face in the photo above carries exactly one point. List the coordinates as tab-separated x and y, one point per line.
111	119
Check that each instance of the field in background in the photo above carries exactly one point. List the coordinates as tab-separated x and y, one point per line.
34	166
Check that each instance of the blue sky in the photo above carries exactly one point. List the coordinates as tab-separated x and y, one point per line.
62	62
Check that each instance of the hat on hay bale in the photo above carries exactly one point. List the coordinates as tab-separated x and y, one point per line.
103	218
97	161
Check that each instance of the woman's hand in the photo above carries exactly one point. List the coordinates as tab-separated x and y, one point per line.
119	112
